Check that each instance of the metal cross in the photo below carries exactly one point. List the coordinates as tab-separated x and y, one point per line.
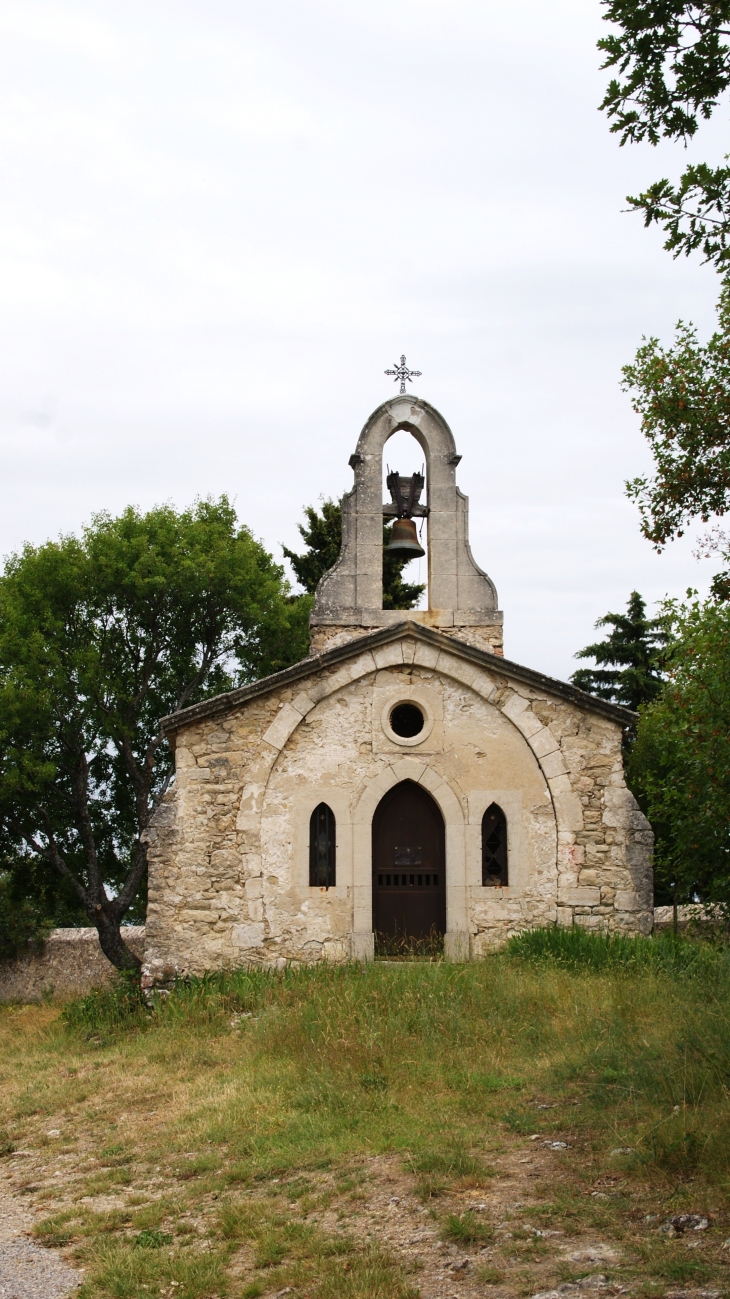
403	373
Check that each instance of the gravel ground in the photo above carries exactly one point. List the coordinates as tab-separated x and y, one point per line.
27	1270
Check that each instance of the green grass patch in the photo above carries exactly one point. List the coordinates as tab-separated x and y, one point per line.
246	1106
467	1228
151	1239
578	949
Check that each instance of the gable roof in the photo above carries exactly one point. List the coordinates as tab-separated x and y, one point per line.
221	704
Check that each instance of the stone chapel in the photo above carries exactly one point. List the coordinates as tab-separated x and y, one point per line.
405	783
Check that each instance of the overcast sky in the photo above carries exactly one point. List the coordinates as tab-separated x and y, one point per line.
221	221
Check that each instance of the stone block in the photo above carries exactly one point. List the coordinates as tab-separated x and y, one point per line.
362	666
247	936
528	723
484	685
543	742
426	656
515	706
388	655
456	945
303	703
588	878
408	769
553	764
338	680
362	947
458	669
627	900
568	807
596	924
282	726
579	897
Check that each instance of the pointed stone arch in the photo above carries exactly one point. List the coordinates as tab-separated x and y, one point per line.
453	809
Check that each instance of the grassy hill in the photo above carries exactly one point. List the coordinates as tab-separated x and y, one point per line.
385	1131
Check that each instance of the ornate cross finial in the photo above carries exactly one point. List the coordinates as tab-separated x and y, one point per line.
403	373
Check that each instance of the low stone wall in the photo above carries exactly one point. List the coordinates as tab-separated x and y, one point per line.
694	917
69	964
71	961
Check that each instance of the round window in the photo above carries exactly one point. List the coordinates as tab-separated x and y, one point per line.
406	720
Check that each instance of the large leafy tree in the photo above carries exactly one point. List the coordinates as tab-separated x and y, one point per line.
679	766
322	535
630	658
100	637
682	394
672	64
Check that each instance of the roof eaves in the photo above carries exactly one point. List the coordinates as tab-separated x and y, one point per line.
222	704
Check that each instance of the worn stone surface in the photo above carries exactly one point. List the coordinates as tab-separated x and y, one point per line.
489	637
228	851
67	964
695	917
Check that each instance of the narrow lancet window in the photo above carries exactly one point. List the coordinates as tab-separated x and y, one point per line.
494	847
322	848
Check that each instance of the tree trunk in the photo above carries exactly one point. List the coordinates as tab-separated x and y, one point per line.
113	946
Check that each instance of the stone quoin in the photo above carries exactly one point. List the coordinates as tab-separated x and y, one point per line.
263	850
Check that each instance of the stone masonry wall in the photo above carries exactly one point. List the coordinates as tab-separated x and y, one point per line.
324	636
228	850
68	964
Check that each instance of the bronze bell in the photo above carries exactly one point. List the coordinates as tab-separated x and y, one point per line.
404	540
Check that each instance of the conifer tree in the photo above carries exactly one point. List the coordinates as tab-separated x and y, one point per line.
323	537
630	657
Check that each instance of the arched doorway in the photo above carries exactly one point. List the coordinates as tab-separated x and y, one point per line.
409	869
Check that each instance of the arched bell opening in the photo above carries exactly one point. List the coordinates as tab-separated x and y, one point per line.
350	594
405	528
409	872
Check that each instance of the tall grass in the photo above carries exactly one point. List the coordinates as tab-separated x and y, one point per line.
244	1091
637	1030
579	949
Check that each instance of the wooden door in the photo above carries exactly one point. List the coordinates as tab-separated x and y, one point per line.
409	866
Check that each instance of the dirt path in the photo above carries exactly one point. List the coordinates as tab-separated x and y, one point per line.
518	1254
523	1252
27	1270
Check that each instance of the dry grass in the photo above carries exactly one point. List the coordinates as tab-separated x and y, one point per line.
336	1130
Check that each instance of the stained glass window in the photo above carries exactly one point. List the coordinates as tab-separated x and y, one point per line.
322	847
494	847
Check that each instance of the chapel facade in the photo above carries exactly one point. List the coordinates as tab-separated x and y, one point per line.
406	783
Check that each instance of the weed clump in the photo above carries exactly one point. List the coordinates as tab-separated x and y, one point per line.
466	1228
7	1147
151	1239
103	1010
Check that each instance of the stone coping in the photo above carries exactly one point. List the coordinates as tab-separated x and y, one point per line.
88	933
222	704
